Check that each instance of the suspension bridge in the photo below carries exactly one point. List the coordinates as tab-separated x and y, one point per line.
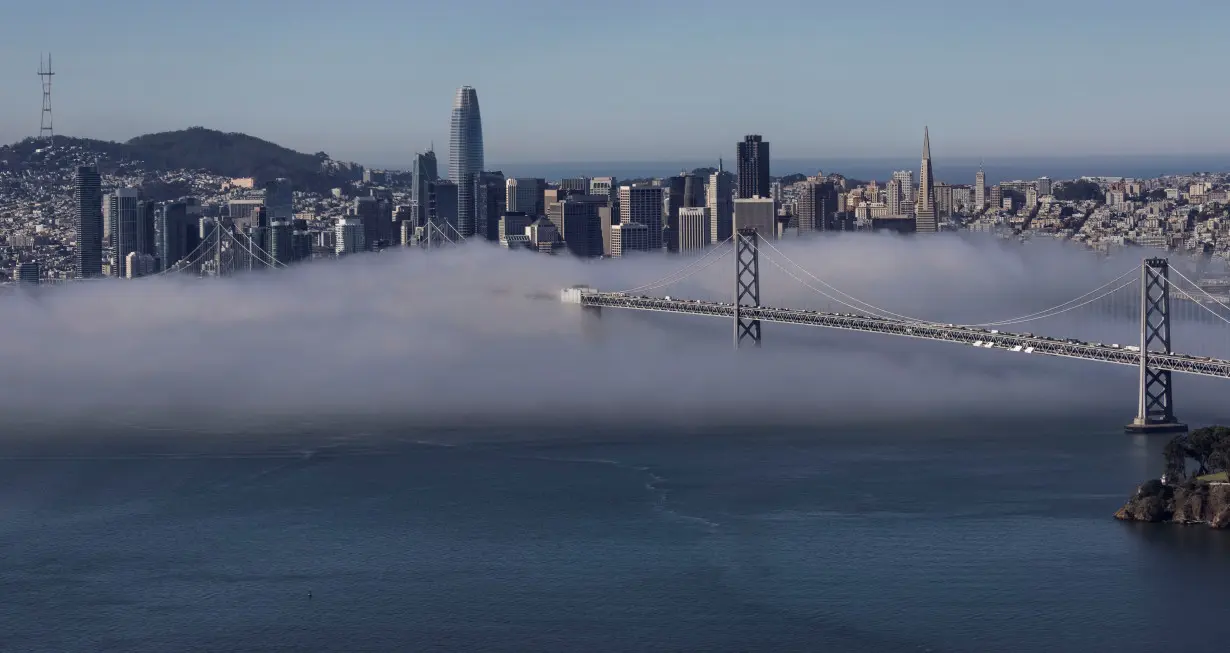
1149	286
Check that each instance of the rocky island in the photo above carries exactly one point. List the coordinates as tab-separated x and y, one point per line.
1202	497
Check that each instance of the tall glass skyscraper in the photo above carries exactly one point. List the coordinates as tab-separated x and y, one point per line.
466	154
422	203
87	192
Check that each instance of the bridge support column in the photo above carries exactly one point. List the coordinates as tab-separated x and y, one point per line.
1155	398
747	285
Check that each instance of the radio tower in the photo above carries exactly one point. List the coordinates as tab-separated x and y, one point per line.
45	130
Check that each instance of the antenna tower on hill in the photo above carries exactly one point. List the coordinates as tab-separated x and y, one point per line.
45	131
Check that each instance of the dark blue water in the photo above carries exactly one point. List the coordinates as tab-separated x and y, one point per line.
939	537
950	170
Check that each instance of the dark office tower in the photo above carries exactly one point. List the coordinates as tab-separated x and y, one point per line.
673	189
574	186
582	225
147	213
424	174
27	273
490	191
384	208
444	209
279	199
809	207
693	191
178	231
465	155
129	229
301	244
87	192
525	195
753	156
367	209
281	248
642	205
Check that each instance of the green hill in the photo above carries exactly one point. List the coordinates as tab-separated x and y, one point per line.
196	148
237	155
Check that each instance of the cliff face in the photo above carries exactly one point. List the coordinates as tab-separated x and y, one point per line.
1190	503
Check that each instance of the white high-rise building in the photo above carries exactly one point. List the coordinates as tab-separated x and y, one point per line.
694	228
895	197
607	187
905	181
349	236
720	201
980	190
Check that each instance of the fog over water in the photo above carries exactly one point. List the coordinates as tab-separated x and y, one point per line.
477	335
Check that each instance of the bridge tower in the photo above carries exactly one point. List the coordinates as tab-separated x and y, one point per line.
747	285
1155	400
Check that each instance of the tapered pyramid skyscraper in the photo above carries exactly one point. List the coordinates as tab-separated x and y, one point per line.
924	208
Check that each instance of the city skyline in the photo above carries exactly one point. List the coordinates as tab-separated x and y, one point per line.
1011	97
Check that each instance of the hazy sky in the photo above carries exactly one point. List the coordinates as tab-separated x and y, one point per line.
561	80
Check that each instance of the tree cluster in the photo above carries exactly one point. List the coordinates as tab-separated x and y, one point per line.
1208	448
1079	190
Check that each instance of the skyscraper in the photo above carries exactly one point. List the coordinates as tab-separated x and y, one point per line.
642	205
466	154
693	231
905	181
720	200
924	208
581	225
27	273
87	192
444	209
129	230
367	210
424	174
753	163
178	232
524	195
489	204
980	190
810	207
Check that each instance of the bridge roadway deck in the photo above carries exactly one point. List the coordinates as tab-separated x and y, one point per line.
965	335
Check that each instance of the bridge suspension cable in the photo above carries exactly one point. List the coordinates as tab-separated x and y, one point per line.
717	253
792	275
1202	290
1196	301
874	310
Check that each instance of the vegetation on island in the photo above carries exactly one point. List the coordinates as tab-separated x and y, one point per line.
1195	488
1208	449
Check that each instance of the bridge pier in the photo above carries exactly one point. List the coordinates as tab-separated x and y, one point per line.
747	285
1155	396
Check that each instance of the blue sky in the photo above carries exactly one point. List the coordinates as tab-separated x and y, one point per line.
634	80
